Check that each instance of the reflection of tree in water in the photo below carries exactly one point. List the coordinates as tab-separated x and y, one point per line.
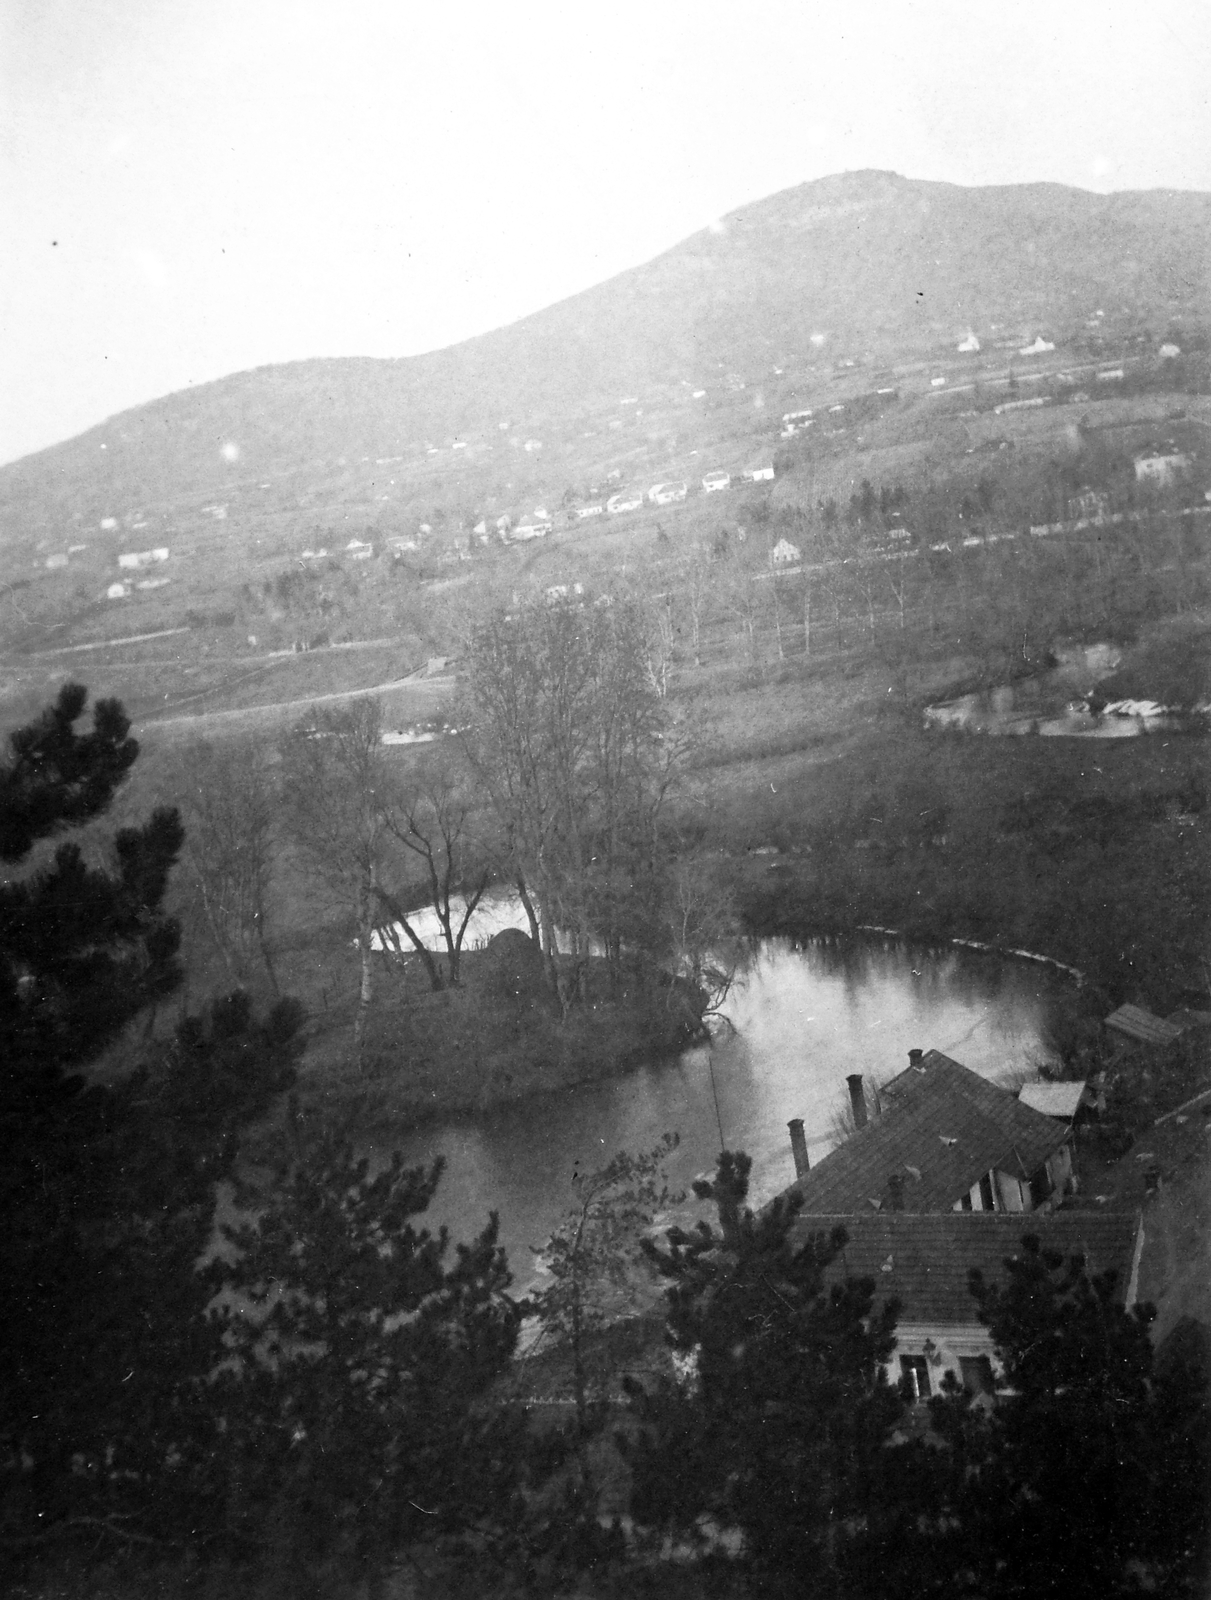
938	975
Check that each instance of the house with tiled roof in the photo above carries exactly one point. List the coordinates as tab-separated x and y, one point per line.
923	1260
945	1139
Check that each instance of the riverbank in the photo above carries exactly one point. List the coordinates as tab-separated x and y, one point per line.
1094	854
497	1039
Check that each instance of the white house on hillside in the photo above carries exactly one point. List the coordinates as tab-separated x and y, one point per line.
785	554
664	494
143	558
1161	465
969	345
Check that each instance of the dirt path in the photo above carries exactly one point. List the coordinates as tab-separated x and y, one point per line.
201	721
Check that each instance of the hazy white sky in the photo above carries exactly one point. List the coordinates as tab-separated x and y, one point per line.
192	187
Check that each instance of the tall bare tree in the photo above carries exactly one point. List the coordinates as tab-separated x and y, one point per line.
333	777
431	818
228	799
567	738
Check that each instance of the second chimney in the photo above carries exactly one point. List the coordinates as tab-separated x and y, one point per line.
799	1147
857	1099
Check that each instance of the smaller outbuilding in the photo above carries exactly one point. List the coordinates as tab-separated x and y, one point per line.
1161	464
1059	1100
1143	1027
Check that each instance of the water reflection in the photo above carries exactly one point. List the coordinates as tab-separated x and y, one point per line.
803	1015
1062	703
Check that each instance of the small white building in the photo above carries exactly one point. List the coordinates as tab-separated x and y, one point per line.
1039	347
530	527
582	512
1164	465
143	558
969	345
624	500
53	562
359	550
1169	352
533	444
760	474
715	481
118	591
785	554
666	494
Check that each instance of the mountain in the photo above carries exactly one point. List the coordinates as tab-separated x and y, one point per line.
876	266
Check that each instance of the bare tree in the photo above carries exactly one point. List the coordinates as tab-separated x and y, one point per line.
228	799
703	931
697	590
431	820
566	737
333	780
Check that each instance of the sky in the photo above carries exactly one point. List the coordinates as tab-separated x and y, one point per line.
190	188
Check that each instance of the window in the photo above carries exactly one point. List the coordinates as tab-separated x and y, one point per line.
965	1203
987	1199
1040	1187
914	1374
977	1374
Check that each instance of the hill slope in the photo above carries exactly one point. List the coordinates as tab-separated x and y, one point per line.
881	266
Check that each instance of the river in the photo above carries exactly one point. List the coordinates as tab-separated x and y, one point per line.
804	1015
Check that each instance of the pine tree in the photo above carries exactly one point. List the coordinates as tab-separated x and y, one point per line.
778	1432
1092	1472
362	1358
83	950
106	1429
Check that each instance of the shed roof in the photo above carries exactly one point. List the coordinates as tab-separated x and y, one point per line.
1053	1099
1142	1026
943	1128
924	1260
1184	1018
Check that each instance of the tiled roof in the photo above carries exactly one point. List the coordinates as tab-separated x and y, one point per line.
923	1260
943	1128
1142	1026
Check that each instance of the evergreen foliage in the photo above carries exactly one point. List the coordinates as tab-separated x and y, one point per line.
106	1427
778	1433
1090	1476
361	1358
594	1260
83	949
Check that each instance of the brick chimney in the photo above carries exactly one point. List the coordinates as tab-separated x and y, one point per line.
799	1147
895	1185
857	1099
915	1057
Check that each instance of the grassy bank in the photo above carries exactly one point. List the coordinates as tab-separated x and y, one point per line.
1092	852
499	1037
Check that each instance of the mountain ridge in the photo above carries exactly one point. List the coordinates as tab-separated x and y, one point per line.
874	265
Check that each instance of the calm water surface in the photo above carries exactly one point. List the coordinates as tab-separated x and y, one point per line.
805	1015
